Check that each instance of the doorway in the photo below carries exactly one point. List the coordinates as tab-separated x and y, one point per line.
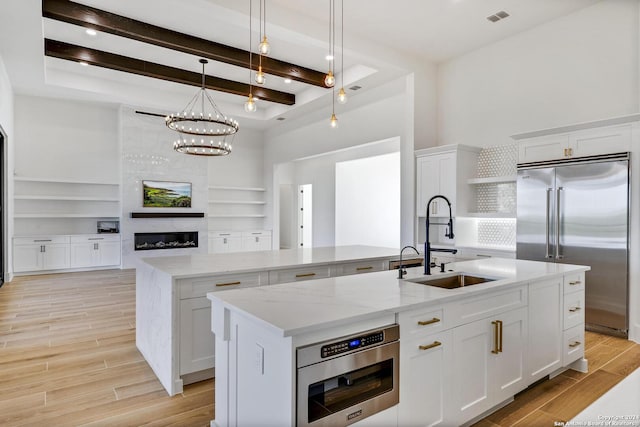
305	216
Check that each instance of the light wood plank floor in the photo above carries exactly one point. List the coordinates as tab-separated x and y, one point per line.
68	358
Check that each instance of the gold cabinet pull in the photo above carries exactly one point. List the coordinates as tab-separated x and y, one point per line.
575	344
228	284
428	322
497	336
577	282
305	275
430	346
364	268
574	309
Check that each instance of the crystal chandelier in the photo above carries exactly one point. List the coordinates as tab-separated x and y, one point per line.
205	132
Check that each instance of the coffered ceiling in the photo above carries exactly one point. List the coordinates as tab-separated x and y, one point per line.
42	42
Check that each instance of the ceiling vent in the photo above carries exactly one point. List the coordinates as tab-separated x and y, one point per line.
498	16
281	118
355	87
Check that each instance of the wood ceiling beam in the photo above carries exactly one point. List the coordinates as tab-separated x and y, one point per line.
89	17
71	52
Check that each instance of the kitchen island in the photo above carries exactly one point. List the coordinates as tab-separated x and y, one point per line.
462	352
173	314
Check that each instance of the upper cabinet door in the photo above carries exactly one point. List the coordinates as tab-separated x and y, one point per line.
542	148
605	140
436	175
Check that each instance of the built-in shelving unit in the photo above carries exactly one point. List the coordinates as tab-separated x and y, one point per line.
236	208
63	206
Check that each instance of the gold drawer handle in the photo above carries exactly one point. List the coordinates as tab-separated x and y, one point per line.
430	346
497	337
577	282
428	322
306	275
574	309
228	284
575	344
364	268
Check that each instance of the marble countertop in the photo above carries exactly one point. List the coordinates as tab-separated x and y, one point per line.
243	262
296	308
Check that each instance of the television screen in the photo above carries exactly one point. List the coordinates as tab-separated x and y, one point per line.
164	194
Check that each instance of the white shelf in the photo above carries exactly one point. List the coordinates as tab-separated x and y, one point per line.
65	215
69	198
62	181
237	188
489	215
234	216
492	180
237	202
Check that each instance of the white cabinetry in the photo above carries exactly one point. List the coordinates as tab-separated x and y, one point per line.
436	174
40	253
545	327
95	251
489	356
587	139
239	241
573	318
256	241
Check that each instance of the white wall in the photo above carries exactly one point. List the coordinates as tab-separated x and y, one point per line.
577	68
320	172
368	201
244	167
382	113
6	123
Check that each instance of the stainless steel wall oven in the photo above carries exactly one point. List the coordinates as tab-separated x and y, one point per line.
347	379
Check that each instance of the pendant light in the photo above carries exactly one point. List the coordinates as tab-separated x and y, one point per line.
329	79
205	132
264	48
342	95
260	76
250	104
334	120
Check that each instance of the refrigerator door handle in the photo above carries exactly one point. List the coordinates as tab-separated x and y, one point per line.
558	254
546	253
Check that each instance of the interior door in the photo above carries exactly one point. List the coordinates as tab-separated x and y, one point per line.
593	213
535	207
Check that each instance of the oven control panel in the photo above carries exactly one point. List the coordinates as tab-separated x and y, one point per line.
351	344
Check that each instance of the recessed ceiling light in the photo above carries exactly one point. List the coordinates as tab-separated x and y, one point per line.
83	63
329	57
91	32
287	81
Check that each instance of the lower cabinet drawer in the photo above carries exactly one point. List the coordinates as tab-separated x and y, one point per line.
199	286
40	240
299	274
365	266
573	282
475	308
573	344
421	322
573	309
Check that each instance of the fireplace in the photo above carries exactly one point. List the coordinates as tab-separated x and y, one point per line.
167	240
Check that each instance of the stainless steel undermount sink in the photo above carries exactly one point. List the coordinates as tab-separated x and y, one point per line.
452	282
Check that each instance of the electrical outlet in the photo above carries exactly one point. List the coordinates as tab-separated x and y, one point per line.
260	359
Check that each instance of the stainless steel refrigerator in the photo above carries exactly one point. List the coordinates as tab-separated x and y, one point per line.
578	213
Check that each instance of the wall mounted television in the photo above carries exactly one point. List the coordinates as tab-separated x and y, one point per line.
166	194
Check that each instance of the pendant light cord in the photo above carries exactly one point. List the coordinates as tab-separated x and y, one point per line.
250	54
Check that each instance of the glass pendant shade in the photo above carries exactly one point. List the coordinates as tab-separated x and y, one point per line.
342	96
260	76
250	104
329	79
334	121
264	48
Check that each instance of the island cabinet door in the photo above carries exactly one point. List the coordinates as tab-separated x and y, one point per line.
424	380
488	363
196	338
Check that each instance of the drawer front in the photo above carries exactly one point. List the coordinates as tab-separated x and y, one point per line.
365	266
573	309
256	233
573	344
573	282
299	274
198	287
40	240
225	234
95	238
416	323
471	309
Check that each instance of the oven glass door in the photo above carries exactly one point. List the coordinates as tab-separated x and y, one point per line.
348	388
